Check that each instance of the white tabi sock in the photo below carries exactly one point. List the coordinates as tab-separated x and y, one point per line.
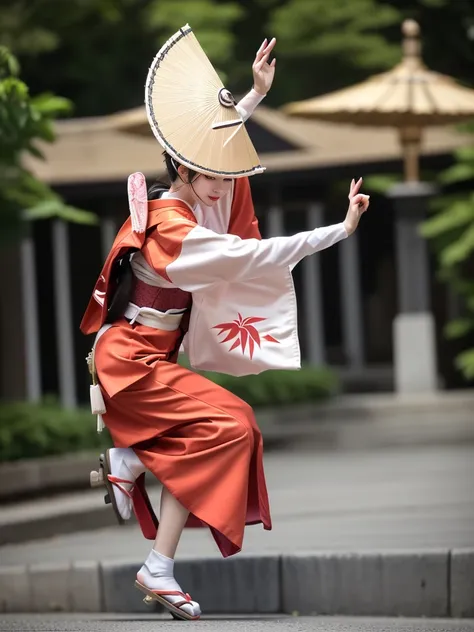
157	573
125	464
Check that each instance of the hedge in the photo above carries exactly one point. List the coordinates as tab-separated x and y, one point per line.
35	430
46	429
280	388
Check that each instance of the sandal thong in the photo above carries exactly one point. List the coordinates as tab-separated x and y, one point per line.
105	478
174	609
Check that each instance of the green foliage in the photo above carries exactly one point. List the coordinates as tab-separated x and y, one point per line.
19	31
459	327
327	45
273	388
25	122
321	45
53	206
211	21
315	28
465	363
97	51
37	430
381	183
451	230
463	170
281	388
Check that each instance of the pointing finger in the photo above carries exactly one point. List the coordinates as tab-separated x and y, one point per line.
351	190
262	46
262	62
357	186
271	45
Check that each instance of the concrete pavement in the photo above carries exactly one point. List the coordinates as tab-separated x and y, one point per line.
382	533
393	499
351	422
137	623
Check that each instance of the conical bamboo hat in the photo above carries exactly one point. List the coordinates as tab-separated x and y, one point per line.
192	115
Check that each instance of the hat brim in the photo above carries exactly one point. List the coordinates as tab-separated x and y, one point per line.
192	115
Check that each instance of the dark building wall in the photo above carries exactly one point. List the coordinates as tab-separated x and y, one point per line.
294	191
12	352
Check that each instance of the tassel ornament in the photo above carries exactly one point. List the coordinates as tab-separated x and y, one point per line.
97	399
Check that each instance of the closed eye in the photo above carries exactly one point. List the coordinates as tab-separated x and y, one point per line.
212	178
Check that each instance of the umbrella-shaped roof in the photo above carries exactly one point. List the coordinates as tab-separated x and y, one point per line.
409	95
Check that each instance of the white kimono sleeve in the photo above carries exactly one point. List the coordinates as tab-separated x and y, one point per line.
246	106
204	258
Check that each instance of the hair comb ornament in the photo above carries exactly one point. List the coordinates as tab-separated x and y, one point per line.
138	201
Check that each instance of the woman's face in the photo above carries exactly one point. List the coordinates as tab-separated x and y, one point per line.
210	190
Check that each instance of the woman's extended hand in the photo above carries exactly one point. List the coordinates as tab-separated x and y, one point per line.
264	72
358	204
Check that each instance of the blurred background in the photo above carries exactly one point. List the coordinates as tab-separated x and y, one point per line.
382	89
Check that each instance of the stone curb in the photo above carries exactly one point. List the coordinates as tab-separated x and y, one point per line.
381	404
437	583
462	583
53	524
348	422
35	476
378	584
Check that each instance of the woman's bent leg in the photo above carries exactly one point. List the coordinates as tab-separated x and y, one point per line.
157	573
173	517
202	443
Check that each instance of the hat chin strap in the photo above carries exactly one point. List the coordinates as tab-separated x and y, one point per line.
194	191
190	184
175	165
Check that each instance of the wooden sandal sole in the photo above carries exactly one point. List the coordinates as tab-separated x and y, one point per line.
176	613
100	478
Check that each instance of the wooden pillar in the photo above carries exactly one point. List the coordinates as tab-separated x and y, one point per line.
312	293
30	320
415	356
351	302
62	286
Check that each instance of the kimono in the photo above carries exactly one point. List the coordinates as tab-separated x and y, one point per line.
196	438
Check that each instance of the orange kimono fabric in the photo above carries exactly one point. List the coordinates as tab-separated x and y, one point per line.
199	440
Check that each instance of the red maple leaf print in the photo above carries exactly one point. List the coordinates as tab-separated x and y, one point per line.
244	331
270	338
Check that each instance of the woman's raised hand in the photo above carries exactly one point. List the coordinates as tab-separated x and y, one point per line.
264	72
358	204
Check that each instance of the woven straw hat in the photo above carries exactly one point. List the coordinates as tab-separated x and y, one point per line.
192	114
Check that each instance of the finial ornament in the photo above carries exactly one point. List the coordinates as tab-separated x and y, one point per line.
411	43
410	28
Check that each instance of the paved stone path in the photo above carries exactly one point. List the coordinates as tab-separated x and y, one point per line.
410	498
135	623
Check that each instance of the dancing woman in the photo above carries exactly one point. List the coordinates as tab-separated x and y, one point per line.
199	440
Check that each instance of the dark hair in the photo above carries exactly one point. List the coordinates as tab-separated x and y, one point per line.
158	187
